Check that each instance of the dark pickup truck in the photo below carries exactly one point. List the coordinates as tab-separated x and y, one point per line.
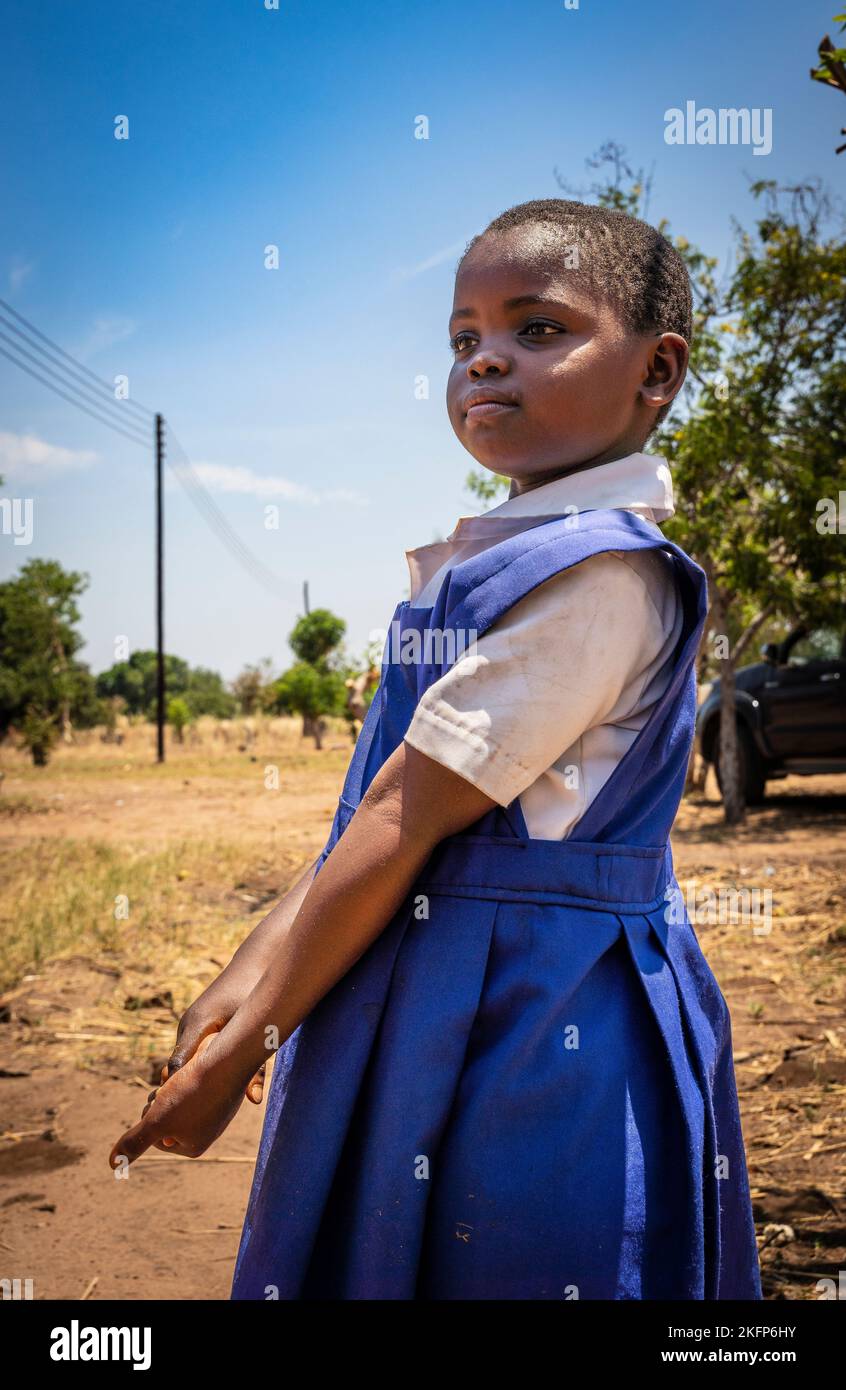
791	711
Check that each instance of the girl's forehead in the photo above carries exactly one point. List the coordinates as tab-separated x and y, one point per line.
500	283
535	251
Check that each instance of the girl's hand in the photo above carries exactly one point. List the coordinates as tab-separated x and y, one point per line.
188	1112
220	1002
210	1012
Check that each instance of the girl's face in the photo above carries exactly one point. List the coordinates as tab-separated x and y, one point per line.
569	382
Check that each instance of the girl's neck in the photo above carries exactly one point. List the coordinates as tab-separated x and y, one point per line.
519	486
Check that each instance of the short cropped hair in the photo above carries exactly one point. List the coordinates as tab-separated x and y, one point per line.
626	261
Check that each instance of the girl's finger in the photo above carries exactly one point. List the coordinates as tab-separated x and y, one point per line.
135	1142
255	1088
186	1046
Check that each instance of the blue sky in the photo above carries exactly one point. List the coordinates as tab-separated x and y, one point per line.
295	127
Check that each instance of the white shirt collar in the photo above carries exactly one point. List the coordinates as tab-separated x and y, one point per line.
640	483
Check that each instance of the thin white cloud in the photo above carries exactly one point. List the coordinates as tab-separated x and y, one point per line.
235	478
305	437
19	272
344	494
21	455
104	333
446	254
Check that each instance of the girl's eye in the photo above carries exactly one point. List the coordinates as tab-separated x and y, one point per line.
538	328
546	329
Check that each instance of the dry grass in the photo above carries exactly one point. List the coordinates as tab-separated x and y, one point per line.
108	854
123	904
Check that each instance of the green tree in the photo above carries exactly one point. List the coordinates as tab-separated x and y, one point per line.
206	693
179	716
764	440
314	686
253	687
312	692
832	67
39	733
110	711
41	681
316	636
134	681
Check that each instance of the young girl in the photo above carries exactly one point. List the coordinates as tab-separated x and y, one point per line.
504	1066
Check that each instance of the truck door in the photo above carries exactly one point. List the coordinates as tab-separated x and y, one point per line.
804	698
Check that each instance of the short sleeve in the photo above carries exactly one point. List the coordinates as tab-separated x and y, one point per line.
574	653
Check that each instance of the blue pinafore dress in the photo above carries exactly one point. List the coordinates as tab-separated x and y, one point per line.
524	1089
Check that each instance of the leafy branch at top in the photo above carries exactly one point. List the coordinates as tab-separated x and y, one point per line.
832	69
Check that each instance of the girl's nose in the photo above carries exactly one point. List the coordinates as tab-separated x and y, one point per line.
488	362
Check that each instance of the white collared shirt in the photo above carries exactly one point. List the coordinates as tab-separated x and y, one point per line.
546	702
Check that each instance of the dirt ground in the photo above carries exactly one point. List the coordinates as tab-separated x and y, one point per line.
205	845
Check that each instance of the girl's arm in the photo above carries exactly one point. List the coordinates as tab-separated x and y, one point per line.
412	804
213	1009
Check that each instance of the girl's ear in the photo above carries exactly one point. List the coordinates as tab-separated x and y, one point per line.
666	368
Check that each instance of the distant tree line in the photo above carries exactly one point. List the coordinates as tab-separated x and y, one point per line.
134	682
46	691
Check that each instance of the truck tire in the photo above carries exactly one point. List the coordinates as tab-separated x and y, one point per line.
752	776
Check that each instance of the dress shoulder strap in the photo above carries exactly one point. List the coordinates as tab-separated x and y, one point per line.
478	591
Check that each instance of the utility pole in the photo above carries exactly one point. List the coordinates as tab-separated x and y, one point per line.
160	671
305	597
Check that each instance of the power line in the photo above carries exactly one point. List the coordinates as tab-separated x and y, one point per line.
98	409
76	377
255	568
199	494
49	363
129	427
203	501
79	367
136	439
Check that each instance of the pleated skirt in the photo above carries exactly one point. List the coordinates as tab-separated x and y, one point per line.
523	1090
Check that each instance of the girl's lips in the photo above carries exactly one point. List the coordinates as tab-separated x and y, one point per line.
488	408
